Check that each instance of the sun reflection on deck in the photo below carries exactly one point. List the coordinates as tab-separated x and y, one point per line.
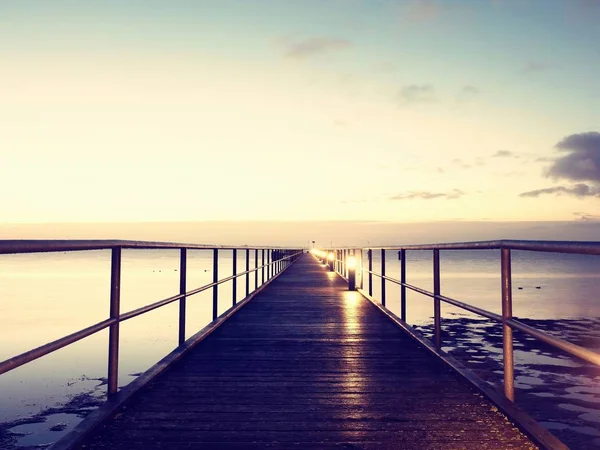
353	377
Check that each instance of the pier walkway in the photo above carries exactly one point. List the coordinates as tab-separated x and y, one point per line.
308	364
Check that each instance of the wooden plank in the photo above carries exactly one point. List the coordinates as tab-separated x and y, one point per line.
308	364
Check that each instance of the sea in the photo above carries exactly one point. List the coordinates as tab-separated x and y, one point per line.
46	296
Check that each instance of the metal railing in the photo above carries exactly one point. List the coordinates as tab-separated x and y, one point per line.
272	262
506	318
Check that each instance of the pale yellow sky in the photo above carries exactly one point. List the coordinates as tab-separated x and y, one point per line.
102	123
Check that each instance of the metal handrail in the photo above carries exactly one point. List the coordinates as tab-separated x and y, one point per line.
9	246
24	358
579	247
506	318
285	257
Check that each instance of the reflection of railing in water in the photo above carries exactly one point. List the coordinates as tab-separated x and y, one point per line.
338	261
273	261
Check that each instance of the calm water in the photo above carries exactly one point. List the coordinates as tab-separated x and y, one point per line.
46	296
569	285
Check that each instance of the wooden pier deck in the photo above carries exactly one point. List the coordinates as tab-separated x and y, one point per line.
308	364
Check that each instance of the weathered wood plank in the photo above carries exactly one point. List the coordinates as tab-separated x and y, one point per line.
308	364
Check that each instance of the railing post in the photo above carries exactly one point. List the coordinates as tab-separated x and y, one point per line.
382	277
215	280
182	290
234	285
403	287
255	268
269	260
346	255
362	272
262	267
113	336
507	340
370	255
437	320
247	272
351	266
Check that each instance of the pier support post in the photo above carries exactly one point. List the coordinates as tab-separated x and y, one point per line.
507	339
351	266
215	280
234	281
262	267
370	257
255	268
382	277
437	307
247	272
113	336
182	290
403	285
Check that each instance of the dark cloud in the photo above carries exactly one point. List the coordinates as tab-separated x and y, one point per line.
428	195
415	93
467	93
537	66
581	161
578	190
310	47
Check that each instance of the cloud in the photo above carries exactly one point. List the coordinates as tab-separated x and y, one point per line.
428	195
504	154
585	216
537	66
423	11
415	93
460	163
310	47
581	161
578	190
467	93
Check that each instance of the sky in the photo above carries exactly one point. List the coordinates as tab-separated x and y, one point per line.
391	111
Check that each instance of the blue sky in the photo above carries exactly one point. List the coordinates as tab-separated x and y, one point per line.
414	110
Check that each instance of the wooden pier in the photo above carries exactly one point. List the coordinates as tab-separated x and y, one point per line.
308	364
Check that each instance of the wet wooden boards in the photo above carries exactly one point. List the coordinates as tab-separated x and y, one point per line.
309	365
